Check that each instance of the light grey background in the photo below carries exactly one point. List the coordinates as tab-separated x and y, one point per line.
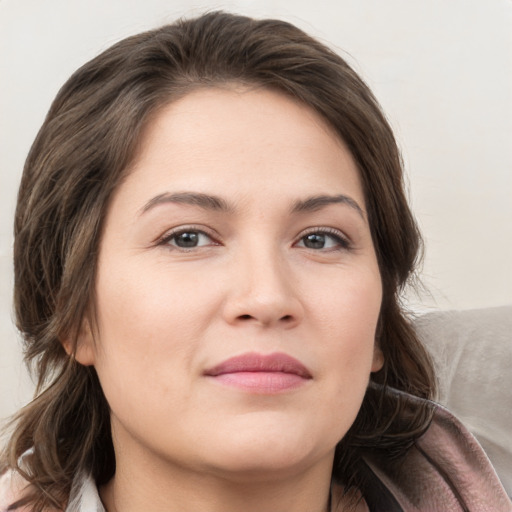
442	70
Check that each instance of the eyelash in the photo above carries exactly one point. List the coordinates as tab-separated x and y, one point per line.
343	243
169	236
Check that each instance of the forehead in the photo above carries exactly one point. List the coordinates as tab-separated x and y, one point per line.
244	141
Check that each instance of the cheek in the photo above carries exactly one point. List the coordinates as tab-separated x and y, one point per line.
152	319
349	308
138	349
149	303
349	317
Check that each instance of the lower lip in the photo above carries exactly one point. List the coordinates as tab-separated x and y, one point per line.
261	382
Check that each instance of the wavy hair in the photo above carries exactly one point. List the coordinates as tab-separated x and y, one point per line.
82	153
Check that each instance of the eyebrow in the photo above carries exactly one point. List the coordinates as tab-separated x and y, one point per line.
204	201
215	203
318	202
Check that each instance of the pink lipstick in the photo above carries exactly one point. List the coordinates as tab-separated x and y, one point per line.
263	374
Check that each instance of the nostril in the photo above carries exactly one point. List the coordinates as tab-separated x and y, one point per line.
285	318
267	319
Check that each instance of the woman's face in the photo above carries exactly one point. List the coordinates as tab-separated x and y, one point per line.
237	289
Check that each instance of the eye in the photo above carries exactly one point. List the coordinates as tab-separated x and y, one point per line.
322	239
188	238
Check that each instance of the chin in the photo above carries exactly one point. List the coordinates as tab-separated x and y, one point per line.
252	467
265	453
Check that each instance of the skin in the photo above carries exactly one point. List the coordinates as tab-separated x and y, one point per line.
253	283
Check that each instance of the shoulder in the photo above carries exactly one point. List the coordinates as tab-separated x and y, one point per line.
84	496
445	469
12	489
460	463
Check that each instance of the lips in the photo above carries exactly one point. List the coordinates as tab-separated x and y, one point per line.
259	373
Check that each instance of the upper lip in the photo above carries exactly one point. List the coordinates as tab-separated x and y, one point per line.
254	362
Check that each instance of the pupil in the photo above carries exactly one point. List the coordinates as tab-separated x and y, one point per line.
315	241
187	239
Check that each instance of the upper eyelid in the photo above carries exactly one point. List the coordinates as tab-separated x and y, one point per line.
326	230
344	241
183	229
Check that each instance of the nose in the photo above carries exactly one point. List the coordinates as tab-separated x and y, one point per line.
262	292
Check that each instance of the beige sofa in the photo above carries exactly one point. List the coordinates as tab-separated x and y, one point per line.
472	351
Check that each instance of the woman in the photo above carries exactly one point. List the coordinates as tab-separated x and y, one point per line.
211	238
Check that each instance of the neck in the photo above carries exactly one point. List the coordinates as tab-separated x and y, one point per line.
212	497
157	485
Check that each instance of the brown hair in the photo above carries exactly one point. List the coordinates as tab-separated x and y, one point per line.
80	156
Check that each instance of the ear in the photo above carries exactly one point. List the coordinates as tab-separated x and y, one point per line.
85	349
378	358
